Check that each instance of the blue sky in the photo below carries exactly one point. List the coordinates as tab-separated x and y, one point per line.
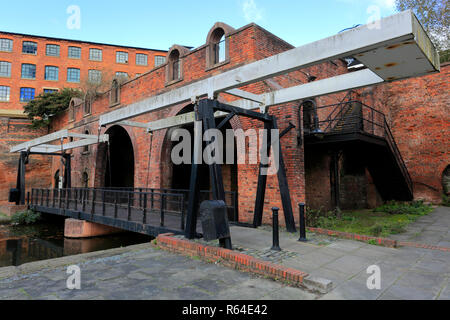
160	24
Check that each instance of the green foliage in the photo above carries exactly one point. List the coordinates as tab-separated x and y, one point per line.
434	15
391	218
26	217
414	208
47	105
445	200
317	218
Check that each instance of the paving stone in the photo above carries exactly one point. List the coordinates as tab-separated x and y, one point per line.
399	292
349	264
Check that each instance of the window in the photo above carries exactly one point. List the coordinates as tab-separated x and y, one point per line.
75	52
159	60
52	50
73	75
121	57
50	90
95	54
174	66
85	178
72	111
87	105
219	51
141	59
29	47
114	97
51	73
122	75
28	71
218	45
4	93
26	94
5	69
6	45
95	76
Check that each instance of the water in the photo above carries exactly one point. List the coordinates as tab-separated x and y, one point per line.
23	244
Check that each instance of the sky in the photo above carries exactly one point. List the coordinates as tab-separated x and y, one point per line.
160	24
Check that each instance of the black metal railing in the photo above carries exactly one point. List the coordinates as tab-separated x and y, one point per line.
353	116
146	207
231	197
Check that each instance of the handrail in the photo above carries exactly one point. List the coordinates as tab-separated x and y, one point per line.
368	121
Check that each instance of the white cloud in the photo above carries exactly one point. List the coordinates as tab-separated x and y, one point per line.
387	4
252	13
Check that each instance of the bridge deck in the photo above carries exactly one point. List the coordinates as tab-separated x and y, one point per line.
150	213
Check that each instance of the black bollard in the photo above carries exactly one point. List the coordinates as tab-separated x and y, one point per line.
276	231
302	223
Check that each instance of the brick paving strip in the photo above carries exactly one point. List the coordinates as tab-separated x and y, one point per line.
243	262
389	243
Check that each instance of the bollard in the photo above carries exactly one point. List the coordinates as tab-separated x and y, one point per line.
302	223
276	231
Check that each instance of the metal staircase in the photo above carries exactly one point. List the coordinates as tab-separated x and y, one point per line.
352	123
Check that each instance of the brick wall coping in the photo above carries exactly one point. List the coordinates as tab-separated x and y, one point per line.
380	241
242	262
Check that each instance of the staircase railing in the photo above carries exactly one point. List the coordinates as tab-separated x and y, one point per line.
367	120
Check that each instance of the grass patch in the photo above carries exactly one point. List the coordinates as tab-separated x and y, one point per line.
391	218
26	217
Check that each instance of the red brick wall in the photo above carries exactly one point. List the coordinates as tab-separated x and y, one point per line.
12	132
419	116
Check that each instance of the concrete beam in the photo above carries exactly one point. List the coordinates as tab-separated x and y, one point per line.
380	47
39	141
336	84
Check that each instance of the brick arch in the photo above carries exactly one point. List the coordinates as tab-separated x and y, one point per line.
162	152
101	157
218	26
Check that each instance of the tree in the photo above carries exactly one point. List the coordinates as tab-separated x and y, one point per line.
47	105
434	17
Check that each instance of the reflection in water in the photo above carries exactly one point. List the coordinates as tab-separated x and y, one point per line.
23	244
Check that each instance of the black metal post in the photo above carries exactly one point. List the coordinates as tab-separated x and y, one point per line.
276	231
302	223
103	203
129	206
94	198
144	210
182	212
116	200
163	203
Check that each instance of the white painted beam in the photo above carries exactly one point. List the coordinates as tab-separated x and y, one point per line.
39	141
381	43
245	95
318	88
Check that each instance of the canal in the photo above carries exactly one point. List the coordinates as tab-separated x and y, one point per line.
45	240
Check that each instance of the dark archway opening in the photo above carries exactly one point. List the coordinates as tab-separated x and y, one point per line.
120	165
181	174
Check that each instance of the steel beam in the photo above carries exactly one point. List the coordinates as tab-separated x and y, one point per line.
40	144
313	89
379	48
39	141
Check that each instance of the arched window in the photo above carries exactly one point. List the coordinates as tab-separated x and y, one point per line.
85	179
218	45
72	111
115	93
87	104
86	148
57	180
174	67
